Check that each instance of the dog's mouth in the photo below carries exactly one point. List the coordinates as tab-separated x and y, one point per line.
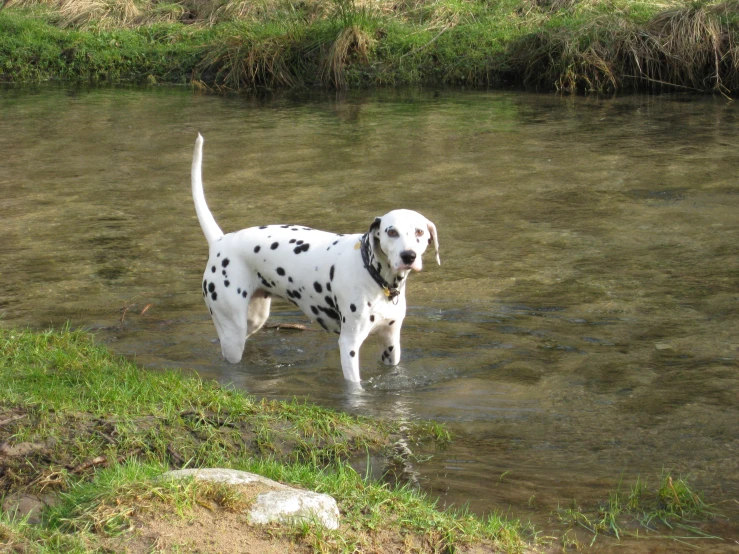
403	266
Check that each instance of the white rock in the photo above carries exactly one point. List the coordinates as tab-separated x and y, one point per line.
295	506
282	504
228	476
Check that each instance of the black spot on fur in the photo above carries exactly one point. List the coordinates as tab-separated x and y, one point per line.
300	242
290	279
314	310
343	320
213	269
264	281
296	294
393	321
205	286
225	262
211	287
280	272
369	305
238	290
294	229
328	287
352	353
214	296
243	294
302	248
318	286
226	282
223	272
321	323
263	226
352	307
335	242
274	245
390	348
331	273
257	248
292	241
329	301
218	255
284	226
330	313
372	318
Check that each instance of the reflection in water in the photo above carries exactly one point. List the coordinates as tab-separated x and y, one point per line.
582	327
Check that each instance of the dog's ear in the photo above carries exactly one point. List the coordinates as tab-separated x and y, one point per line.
375	226
435	238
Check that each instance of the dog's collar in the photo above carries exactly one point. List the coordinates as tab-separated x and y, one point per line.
390	292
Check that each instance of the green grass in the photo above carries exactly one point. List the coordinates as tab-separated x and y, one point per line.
561	45
672	510
98	431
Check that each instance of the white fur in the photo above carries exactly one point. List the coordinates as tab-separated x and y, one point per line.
320	272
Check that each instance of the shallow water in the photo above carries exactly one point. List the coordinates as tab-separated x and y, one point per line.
581	330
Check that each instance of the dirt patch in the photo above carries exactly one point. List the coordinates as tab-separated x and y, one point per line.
205	530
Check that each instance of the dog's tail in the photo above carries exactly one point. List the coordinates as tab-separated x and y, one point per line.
209	226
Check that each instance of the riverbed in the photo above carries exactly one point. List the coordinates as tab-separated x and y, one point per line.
580	332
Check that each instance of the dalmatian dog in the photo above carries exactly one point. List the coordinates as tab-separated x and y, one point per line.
353	285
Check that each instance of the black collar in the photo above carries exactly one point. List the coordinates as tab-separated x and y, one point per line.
390	292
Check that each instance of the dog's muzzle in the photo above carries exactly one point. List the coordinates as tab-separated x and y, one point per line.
408	257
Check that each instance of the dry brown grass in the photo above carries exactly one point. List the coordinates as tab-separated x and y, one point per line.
244	61
352	45
106	14
691	47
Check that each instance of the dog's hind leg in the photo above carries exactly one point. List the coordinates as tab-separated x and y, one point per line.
228	306
258	311
231	327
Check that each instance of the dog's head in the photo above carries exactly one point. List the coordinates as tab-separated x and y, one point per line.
403	236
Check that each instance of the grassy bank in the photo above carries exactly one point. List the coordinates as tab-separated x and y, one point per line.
88	433
567	45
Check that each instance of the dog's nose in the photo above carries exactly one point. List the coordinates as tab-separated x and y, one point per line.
408	256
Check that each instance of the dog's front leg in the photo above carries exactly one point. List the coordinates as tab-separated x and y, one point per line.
349	343
389	336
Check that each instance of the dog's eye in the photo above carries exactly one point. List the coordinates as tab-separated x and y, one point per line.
392	233
419	232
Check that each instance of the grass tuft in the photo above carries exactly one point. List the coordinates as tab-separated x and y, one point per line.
672	505
687	47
